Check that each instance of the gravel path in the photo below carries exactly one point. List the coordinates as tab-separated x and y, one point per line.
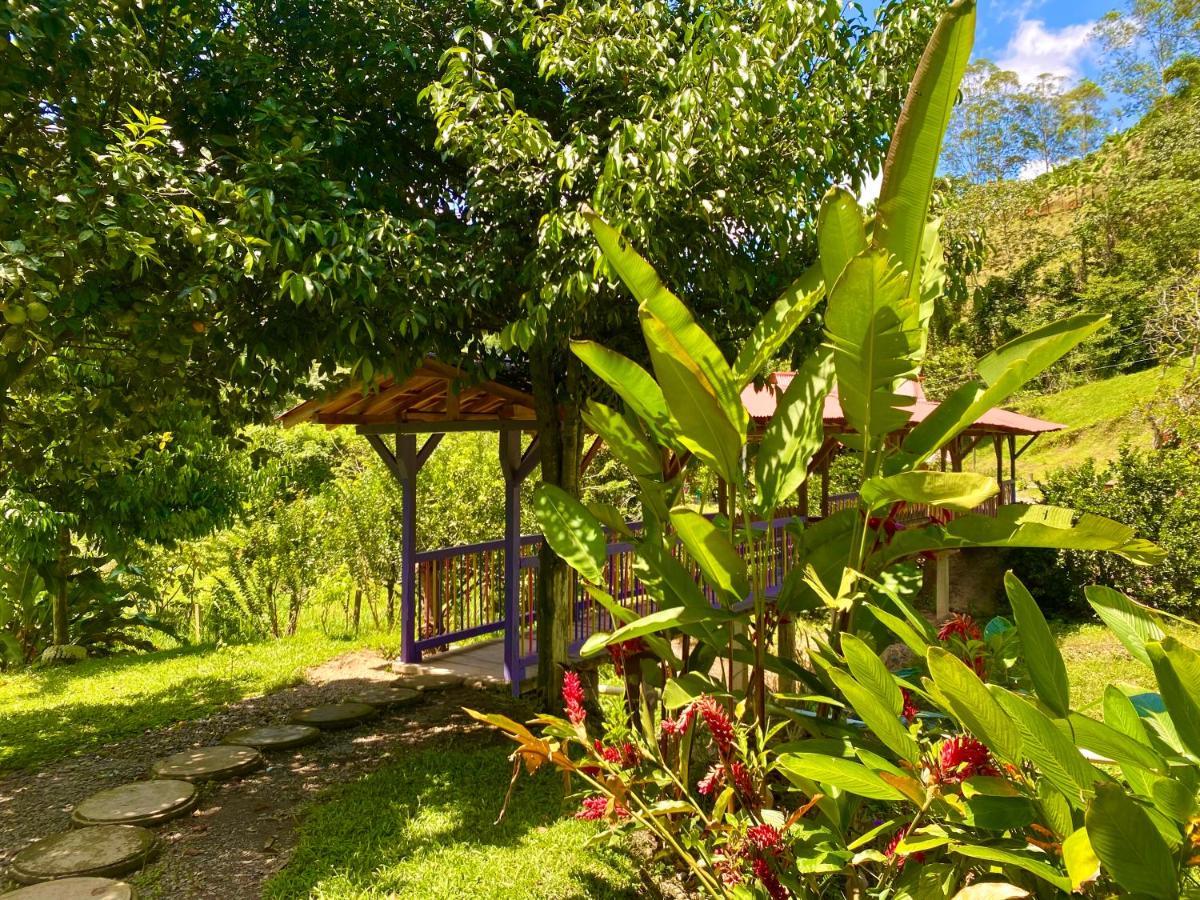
244	830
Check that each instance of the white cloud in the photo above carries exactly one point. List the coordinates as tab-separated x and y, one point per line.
870	189
1031	170
1035	50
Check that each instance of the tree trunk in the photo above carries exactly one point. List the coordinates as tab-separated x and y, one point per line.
391	605
62	630
561	431
357	616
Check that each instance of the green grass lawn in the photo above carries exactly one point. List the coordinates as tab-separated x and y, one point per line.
50	713
1099	416
423	828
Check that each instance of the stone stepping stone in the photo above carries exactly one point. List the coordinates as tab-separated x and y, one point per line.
387	696
430	681
140	803
208	763
274	737
334	715
96	850
74	889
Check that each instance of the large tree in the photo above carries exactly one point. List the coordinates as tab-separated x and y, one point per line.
705	132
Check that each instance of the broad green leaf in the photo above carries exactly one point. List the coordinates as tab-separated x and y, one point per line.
973	706
1120	715
624	441
1083	866
683	689
933	277
1004	371
623	616
1018	525
1106	741
841	235
1174	799
795	433
631	382
1055	756
1021	859
666	579
957	491
570	530
1133	624
662	619
1046	668
873	327
841	773
723	568
779	323
654	297
1056	808
882	722
699	422
912	639
824	547
869	670
912	160
1177	670
991	890
999	813
1129	846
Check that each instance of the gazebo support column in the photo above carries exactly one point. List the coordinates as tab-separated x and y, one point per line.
404	464
516	468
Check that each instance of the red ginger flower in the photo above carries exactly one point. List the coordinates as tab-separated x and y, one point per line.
619	653
770	881
711	782
910	705
718	723
596	806
961	626
626	756
677	727
740	776
963	757
890	850
572	694
765	838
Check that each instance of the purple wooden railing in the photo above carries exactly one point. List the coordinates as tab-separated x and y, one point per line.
459	591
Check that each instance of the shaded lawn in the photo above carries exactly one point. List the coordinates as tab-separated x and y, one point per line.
423	828
46	714
1095	658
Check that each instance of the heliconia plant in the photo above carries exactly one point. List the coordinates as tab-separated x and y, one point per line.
973	764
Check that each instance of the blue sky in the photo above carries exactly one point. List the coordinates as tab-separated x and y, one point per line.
1035	36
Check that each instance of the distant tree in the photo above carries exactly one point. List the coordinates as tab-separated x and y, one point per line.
1041	121
1140	45
982	143
1085	119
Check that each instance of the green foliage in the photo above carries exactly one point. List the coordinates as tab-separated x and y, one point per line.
1153	490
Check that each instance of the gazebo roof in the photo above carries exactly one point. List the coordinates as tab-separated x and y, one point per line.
761	402
435	398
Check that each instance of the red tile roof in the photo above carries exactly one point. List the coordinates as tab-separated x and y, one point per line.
760	403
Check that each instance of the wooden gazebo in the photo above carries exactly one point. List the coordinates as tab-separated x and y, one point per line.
454	594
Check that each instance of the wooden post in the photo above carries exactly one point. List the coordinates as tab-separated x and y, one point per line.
516	468
1000	467
406	464
943	586
1012	471
825	487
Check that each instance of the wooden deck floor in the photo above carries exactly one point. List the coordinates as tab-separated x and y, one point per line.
482	662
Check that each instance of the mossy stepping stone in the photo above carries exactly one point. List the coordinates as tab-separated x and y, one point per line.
387	696
140	803
274	737
334	715
96	850
74	889
430	681
208	763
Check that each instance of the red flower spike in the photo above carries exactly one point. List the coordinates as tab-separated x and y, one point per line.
765	838
678	727
890	850
572	694
718	723
769	880
596	806
961	626
963	757
740	776
910	706
711	782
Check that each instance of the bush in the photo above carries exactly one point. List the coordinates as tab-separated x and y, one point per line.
1156	492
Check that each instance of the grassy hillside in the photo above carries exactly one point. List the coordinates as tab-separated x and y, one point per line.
1100	417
